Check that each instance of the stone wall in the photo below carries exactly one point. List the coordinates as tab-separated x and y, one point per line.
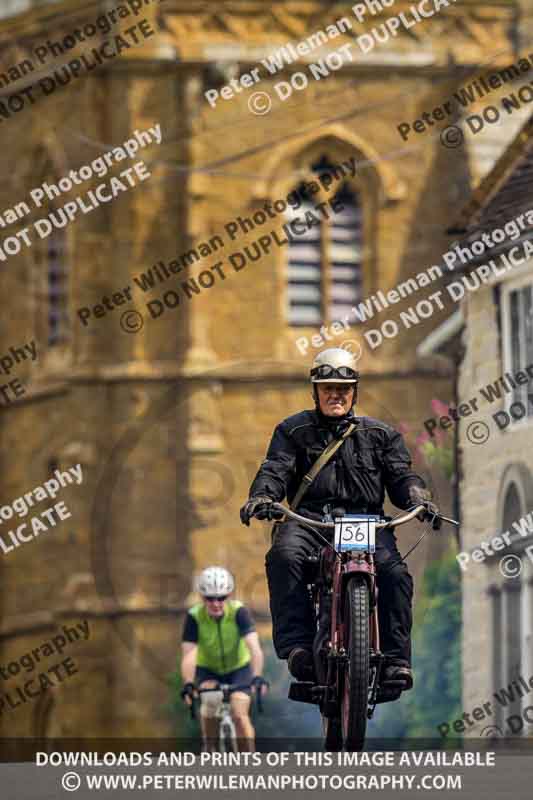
486	471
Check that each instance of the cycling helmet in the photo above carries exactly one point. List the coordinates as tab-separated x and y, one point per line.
215	582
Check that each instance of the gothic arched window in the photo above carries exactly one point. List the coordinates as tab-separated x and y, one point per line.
507	612
52	276
324	262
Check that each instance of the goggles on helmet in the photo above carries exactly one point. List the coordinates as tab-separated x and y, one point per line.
325	371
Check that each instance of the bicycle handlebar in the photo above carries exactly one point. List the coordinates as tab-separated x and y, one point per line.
229	688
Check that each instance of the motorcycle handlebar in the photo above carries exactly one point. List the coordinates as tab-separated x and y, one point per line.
401	520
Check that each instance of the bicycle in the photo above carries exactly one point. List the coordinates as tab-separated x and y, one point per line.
227	735
346	648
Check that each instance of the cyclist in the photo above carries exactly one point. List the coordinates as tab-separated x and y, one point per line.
220	643
372	458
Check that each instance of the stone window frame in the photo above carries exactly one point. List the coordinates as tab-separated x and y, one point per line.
52	288
520	281
377	184
367	190
511	597
55	350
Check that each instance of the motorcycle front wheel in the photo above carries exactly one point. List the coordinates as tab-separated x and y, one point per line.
357	671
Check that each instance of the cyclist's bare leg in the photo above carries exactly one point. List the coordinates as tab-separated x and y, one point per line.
208	719
240	712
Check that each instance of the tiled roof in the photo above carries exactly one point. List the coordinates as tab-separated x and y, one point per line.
505	191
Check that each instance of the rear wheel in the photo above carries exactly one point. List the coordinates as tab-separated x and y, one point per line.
357	672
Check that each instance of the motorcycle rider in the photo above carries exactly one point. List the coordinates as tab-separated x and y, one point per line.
220	644
372	458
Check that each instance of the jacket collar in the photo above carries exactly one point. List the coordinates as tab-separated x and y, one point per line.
337	425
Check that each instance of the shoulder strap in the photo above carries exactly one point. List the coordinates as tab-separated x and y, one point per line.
323	458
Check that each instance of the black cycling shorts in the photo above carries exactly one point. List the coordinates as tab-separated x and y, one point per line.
243	675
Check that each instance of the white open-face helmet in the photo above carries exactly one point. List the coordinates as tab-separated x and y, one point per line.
334	365
215	582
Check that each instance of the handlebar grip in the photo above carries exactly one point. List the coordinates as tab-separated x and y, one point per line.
193	707
259	700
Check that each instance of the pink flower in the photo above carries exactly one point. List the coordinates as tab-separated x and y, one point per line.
440	408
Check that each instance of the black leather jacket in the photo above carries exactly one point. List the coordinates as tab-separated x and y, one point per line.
373	458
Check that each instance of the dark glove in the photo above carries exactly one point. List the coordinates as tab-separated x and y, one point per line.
422	497
255	507
258	682
187	691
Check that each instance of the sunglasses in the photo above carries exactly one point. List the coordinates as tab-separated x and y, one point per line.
211	599
325	371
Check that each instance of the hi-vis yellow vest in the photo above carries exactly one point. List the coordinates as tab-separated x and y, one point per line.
221	647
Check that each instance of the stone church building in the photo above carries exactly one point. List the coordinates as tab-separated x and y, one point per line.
168	402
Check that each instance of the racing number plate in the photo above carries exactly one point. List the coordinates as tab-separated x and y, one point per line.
356	532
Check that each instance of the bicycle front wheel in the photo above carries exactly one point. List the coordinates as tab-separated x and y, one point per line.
228	740
357	672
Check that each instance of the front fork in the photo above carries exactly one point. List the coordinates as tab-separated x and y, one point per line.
376	659
332	653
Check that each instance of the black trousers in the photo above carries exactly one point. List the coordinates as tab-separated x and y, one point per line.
293	618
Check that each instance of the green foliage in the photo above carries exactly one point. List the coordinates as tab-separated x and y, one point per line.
438	455
437	647
436	696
